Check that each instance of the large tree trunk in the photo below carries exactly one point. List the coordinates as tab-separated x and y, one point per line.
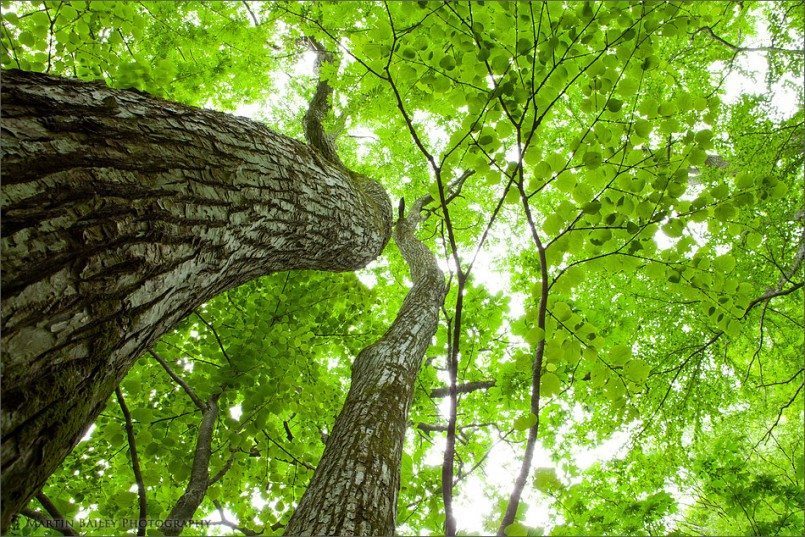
120	214
354	488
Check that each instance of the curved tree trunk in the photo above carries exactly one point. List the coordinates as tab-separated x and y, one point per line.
121	213
354	488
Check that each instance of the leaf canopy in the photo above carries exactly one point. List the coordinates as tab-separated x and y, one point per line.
668	215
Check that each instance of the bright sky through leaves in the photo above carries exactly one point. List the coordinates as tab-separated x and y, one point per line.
647	155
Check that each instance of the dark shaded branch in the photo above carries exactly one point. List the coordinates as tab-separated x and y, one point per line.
795	375
463	388
59	525
780	415
228	523
536	371
59	522
254	18
214	333
736	48
224	469
135	463
453	189
178	380
291	455
435	427
784	277
771	294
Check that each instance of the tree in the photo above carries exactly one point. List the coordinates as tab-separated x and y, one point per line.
622	242
122	214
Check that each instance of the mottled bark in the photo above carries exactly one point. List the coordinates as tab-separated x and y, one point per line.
354	488
121	213
199	481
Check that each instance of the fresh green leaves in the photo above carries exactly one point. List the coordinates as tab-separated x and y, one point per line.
666	211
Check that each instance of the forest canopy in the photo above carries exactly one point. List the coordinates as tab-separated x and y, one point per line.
615	197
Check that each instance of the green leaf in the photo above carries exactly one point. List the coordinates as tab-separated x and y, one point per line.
546	480
636	371
642	128
535	335
550	385
526	421
724	263
592	159
515	529
447	63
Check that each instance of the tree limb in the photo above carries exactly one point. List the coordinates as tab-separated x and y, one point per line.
214	333
737	48
199	480
45	522
291	455
224	469
135	463
463	388
435	427
178	380
784	277
230	524
59	522
319	106
254	18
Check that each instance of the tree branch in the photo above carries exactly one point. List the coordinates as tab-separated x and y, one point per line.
254	18
199	480
45	522
438	428
224	469
214	333
736	48
291	455
135	463
784	277
319	106
463	388
230	524
59	522
188	390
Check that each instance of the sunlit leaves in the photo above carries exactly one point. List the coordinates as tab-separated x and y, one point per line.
664	211
550	384
546	480
525	421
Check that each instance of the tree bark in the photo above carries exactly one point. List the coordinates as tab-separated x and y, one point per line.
199	481
121	213
354	488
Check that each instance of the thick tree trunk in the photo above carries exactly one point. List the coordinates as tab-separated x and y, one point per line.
120	214
354	488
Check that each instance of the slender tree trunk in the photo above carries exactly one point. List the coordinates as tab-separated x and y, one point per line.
120	214
354	488
199	481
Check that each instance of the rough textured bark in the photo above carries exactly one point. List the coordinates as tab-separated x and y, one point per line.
121	213
354	488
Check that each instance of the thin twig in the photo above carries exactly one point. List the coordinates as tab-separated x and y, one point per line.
188	390
214	333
